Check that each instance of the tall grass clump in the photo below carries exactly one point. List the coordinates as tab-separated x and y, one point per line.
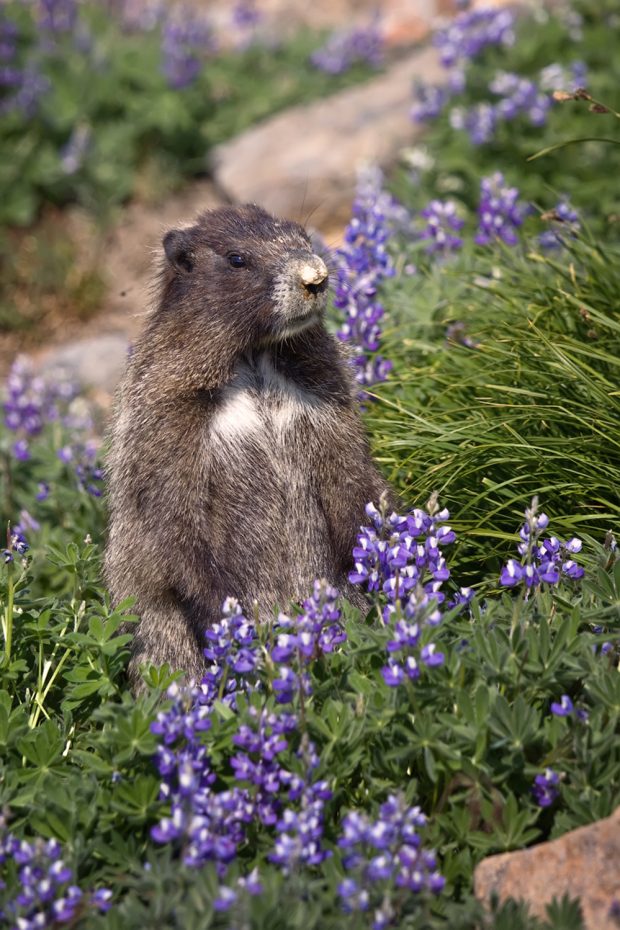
508	388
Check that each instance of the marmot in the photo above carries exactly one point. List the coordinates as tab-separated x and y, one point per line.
238	462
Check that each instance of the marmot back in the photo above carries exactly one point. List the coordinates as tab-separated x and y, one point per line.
238	462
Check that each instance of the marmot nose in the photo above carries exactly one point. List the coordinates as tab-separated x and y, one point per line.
313	273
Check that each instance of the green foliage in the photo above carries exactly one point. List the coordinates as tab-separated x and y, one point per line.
530	405
580	172
465	741
107	94
506	358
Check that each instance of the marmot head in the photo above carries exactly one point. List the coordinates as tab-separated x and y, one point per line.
241	271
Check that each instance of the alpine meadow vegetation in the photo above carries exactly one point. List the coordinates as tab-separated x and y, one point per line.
335	769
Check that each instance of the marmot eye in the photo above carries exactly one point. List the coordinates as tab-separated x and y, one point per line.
237	261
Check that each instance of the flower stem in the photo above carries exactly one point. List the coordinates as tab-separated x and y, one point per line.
7	620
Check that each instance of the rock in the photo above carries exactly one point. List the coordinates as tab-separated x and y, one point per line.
302	163
96	362
584	863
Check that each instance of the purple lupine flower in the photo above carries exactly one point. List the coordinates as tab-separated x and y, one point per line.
442	222
545	788
246	19
16	542
299	832
245	15
362	263
430	100
431	657
256	763
520	96
566	222
543	560
32	401
478	121
500	211
82	456
318	630
561	77
209	824
472	31
46	896
353	897
346	48
401	556
564	708
186	40
21	85
384	855
58	16
231	654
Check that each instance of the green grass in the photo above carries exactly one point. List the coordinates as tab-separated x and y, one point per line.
533	408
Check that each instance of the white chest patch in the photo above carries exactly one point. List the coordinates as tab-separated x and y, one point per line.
260	403
238	414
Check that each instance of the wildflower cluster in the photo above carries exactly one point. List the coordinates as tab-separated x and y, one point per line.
21	83
346	48
231	655
47	896
471	32
299	829
302	639
186	40
462	40
32	401
210	823
362	263
442	224
500	212
543	560
401	557
520	96
385	856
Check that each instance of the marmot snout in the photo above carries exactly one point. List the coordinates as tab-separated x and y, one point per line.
238	462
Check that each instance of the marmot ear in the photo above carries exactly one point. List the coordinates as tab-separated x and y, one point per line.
179	249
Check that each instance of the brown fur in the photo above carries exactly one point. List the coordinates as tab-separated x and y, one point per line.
238	462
